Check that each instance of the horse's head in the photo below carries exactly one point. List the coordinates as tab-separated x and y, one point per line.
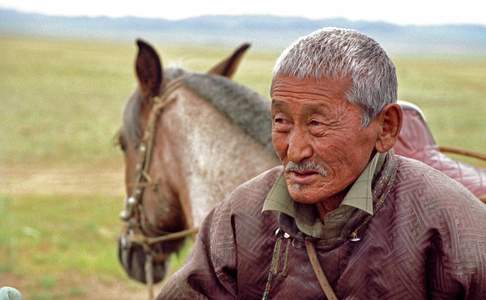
154	205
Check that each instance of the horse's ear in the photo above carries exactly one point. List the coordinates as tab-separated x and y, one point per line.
229	65
149	69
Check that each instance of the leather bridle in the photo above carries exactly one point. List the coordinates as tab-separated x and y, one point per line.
133	213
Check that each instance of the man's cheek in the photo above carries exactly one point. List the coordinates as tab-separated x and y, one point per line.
280	146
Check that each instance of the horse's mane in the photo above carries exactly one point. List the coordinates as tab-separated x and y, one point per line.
244	107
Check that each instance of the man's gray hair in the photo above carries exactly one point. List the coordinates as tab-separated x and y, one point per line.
340	53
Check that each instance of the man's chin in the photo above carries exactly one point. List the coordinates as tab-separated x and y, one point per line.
309	194
302	194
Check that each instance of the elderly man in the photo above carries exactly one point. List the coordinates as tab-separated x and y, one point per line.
343	217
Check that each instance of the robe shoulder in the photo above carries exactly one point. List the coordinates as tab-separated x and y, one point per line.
418	184
248	198
435	205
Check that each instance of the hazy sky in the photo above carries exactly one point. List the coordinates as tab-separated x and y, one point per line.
401	12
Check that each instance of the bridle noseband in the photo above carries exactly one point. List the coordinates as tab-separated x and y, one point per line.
133	213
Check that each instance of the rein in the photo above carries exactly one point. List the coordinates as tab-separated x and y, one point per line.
133	213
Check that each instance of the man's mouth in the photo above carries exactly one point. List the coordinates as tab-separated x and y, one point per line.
304	172
302	176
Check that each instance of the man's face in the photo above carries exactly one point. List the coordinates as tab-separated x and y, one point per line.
318	136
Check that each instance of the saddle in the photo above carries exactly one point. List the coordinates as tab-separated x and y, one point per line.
416	141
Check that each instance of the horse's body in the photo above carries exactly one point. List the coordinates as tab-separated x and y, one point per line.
211	136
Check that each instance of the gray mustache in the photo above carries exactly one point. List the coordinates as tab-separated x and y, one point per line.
306	166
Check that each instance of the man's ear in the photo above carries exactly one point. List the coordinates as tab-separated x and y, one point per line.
390	122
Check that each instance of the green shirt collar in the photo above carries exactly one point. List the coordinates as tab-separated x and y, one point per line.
360	195
306	216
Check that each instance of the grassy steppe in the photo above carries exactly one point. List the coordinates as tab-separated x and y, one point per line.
61	104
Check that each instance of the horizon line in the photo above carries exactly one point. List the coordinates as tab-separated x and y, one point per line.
22	11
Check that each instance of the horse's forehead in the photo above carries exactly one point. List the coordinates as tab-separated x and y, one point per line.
174	72
131	117
187	92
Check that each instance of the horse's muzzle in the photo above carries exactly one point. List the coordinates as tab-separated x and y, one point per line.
132	257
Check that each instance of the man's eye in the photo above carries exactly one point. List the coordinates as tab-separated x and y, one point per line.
314	123
280	119
281	124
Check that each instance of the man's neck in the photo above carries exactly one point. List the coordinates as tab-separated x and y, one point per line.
326	206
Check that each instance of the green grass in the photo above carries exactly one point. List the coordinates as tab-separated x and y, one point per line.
452	93
61	101
55	234
61	105
43	238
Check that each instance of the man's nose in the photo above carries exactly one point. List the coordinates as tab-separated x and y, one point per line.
299	148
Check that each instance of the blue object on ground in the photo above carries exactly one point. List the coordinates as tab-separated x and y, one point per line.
8	293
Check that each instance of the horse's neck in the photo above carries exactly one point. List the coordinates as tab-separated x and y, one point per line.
217	155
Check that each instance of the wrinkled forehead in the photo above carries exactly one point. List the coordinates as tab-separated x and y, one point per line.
287	87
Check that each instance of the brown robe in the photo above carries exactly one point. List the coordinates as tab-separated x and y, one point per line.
428	240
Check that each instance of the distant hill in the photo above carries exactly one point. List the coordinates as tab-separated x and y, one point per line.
261	30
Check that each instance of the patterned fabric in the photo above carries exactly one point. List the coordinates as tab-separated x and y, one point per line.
306	216
426	240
